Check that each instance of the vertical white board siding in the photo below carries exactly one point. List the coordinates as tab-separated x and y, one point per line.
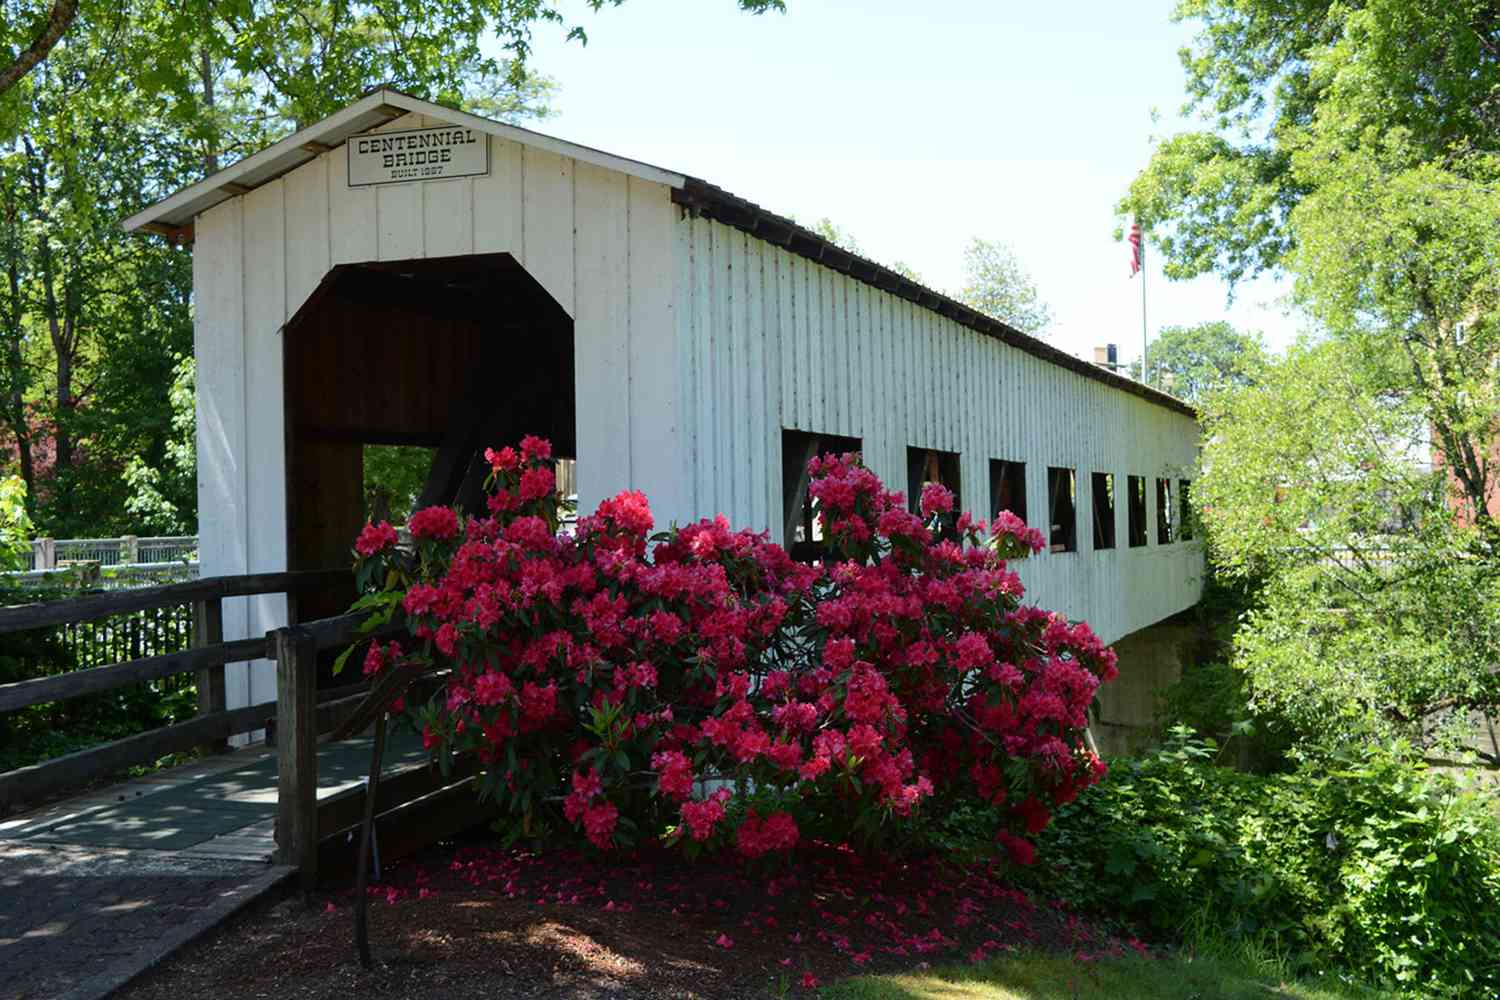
400	232
700	347
547	219
307	222
760	344
793	340
353	214
684	298
654	421
720	394
219	346
448	217
777	341
696	345
601	332
784	350
838	395
496	197
603	244
736	388
265	304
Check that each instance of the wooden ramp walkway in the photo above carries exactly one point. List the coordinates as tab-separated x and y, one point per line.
239	805
100	886
128	871
222	807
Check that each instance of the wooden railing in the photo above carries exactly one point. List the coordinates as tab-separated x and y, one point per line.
414	808
410	810
213	725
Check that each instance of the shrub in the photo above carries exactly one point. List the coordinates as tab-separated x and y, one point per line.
1214	699
1369	860
701	686
15	524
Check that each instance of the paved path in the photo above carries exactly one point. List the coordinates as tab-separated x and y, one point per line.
77	922
96	889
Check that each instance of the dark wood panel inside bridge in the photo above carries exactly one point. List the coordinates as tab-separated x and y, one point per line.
453	354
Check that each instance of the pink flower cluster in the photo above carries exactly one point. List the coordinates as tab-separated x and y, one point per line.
705	688
374	539
438	523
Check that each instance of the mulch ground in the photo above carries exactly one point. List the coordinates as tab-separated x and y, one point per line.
473	920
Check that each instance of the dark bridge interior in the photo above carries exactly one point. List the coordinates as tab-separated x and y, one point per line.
455	354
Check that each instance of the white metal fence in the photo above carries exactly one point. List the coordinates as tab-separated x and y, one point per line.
123	576
108	563
59	553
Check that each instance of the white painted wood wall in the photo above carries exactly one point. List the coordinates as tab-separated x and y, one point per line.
598	240
771	340
695	346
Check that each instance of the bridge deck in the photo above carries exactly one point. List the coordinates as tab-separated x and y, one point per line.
125	874
222	807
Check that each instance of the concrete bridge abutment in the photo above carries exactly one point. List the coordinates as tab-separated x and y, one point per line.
1150	659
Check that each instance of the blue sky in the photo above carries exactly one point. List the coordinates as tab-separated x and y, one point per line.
914	126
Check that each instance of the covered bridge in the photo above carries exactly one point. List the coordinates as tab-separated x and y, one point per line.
403	273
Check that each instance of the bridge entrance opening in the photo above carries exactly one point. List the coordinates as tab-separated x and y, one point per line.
449	355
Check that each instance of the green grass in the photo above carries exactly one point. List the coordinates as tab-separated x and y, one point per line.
1053	977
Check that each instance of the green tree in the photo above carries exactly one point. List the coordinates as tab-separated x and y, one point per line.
996	284
1267	78
1380	609
1192	361
28	33
308	52
92	316
1353	147
1401	265
164	496
15	525
394	477
94	322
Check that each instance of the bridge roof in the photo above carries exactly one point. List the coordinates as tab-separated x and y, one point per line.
173	216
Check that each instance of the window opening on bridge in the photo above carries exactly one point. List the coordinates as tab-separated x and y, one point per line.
1007	487
928	465
1136	500
1103	489
803	537
394	475
1163	512
1185	509
1062	509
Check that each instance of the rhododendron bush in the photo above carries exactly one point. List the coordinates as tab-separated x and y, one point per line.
699	686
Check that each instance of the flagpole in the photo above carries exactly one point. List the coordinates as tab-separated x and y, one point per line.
1145	334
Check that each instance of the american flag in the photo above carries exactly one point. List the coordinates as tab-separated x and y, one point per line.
1135	249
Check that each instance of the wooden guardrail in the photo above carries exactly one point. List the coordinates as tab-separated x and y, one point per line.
411	810
212	726
299	827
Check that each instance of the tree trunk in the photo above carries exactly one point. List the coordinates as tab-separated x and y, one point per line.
206	78
15	370
61	317
64	433
62	15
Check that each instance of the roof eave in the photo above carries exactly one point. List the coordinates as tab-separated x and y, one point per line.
172	216
716	203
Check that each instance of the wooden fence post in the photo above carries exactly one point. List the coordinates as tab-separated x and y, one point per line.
130	549
208	630
297	751
46	553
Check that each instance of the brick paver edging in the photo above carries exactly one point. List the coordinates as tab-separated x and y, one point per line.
102	984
